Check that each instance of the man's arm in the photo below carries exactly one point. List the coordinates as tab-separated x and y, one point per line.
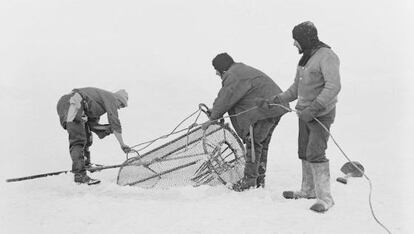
232	91
113	119
330	71
291	93
124	147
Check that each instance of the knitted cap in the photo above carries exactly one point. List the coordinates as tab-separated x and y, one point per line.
222	62
122	96
305	34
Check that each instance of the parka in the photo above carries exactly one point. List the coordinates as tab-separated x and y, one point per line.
241	85
318	80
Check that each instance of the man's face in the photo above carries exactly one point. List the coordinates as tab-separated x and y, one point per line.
120	104
218	73
296	43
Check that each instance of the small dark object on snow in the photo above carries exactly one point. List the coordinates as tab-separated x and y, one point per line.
351	169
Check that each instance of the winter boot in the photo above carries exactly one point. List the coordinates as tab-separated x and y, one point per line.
244	184
321	178
260	182
84	179
308	187
249	179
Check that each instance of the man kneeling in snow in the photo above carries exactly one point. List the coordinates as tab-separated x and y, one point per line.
79	113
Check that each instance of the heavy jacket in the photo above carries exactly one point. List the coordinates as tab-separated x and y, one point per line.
96	103
318	80
241	85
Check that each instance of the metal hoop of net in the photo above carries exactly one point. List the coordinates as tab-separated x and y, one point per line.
214	156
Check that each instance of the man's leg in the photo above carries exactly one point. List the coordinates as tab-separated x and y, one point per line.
89	141
265	149
77	136
317	145
76	133
307	189
77	142
260	131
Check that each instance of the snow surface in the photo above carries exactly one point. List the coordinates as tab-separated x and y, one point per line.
161	51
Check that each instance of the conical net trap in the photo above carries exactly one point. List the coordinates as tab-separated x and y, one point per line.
214	156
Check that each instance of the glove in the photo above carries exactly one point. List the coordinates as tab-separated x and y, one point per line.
262	103
310	112
126	148
103	133
101	130
306	115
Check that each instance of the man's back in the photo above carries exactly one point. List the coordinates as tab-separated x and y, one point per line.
242	85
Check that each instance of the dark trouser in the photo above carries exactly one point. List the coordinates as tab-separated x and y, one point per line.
80	137
262	134
313	138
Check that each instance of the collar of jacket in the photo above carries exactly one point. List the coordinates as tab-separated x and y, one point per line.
226	73
308	53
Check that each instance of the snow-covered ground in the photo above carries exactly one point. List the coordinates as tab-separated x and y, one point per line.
161	51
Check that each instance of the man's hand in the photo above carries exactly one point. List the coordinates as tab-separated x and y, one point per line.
126	149
306	115
310	112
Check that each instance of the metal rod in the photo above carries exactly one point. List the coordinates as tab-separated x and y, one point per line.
91	169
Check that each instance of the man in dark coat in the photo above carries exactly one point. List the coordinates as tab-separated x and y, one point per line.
241	85
79	113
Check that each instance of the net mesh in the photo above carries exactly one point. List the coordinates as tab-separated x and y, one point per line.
214	156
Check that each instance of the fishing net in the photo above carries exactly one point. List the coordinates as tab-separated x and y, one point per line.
214	156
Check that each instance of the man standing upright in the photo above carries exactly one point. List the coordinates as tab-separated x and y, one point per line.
316	87
79	113
241	85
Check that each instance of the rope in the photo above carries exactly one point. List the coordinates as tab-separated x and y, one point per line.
363	173
349	160
175	131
